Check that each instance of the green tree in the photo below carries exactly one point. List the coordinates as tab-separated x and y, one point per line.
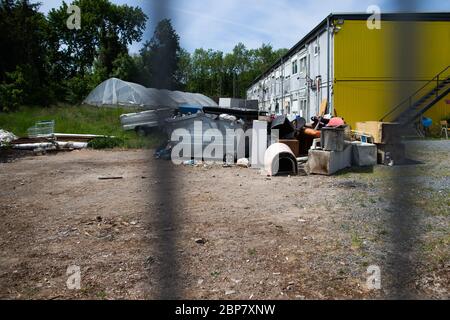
184	69
206	72
93	51
199	73
125	67
161	57
106	31
23	60
215	74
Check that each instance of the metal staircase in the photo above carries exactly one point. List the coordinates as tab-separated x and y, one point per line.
414	106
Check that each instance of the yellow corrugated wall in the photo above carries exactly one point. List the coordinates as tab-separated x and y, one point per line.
436	39
361	54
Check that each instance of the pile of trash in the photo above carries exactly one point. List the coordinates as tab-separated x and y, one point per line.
41	138
193	129
280	145
6	138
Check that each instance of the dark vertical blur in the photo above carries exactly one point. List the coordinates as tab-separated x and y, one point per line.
403	224
168	272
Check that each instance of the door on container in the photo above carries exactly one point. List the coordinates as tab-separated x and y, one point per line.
287	107
295	107
303	110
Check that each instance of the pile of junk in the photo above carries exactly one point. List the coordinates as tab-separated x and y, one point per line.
279	145
228	121
41	138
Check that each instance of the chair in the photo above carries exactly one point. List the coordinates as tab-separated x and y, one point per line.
444	128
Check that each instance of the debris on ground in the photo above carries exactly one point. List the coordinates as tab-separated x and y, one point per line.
190	162
110	178
41	138
279	159
243	162
50	146
354	211
200	240
42	129
228	292
6	138
326	145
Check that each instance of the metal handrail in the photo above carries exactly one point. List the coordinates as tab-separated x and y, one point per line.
409	99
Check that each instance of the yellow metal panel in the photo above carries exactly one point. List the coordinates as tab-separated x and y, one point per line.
440	111
364	86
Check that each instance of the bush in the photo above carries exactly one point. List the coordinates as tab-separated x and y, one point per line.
77	88
81	120
105	143
12	90
23	86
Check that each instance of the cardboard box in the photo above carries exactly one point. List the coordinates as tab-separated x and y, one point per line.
382	132
293	144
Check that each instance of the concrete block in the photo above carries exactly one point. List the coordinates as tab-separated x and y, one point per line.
259	143
364	154
332	139
329	162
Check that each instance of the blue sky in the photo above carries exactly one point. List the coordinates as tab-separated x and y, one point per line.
220	24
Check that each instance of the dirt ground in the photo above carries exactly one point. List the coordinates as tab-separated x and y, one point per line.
210	232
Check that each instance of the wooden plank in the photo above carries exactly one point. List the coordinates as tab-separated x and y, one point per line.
382	132
110	178
323	107
293	144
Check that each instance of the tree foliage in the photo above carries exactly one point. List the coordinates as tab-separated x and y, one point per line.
217	74
161	58
23	61
42	61
106	31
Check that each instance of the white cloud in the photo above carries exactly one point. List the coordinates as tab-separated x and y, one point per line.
221	25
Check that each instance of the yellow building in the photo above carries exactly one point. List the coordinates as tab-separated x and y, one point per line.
397	70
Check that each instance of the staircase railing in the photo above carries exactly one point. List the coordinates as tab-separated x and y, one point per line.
410	101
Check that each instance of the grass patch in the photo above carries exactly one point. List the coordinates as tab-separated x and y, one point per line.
105	143
102	295
437	249
215	274
348	171
433	202
357	241
81	120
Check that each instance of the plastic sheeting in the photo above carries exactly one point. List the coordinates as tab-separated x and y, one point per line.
6	137
116	92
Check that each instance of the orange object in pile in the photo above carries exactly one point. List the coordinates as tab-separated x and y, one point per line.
312	133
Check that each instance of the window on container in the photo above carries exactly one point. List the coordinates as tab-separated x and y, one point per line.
286	71
303	65
294	67
316	49
303	108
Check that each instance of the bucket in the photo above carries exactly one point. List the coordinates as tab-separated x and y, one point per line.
332	139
